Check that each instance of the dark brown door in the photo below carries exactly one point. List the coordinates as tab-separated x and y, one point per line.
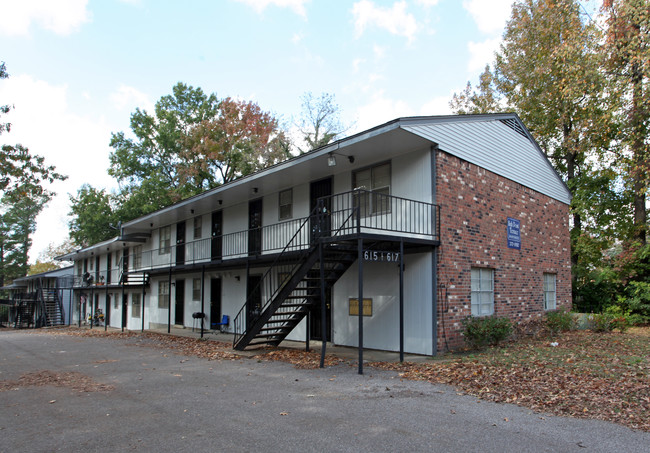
217	235
180	243
255	227
321	224
180	303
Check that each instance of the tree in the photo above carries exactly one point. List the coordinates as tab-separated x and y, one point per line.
320	121
23	195
240	140
486	100
150	163
549	72
94	217
627	53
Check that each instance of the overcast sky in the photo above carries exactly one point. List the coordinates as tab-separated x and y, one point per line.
79	68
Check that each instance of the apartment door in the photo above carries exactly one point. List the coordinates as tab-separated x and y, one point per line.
254	299
180	243
217	235
179	312
316	317
255	227
320	225
215	300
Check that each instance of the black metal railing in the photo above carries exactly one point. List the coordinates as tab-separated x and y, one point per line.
387	214
276	277
377	213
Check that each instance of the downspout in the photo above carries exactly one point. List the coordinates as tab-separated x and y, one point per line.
434	255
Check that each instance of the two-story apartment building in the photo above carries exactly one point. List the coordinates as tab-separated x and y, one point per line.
389	237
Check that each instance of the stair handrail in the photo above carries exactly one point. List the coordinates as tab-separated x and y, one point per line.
317	213
237	322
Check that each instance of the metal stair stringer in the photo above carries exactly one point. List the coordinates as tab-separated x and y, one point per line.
254	329
297	297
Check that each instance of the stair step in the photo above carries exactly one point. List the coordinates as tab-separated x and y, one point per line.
284	313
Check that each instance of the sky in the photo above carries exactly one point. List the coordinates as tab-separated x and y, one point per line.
79	68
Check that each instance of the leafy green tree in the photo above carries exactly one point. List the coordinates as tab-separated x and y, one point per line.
486	100
627	56
94	217
150	163
23	195
320	121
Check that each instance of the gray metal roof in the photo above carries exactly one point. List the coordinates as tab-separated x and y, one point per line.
498	143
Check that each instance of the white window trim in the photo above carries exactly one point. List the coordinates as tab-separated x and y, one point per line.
479	293
550	294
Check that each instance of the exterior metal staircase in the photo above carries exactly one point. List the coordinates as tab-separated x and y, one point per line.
300	294
51	306
291	286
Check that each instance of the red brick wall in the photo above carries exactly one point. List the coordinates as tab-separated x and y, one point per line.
474	207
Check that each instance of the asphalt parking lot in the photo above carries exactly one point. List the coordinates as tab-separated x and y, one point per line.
140	398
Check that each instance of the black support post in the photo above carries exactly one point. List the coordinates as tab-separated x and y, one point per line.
202	298
144	293
323	308
169	301
360	263
106	312
401	300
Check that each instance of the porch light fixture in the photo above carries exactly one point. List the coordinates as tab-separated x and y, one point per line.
220	202
331	159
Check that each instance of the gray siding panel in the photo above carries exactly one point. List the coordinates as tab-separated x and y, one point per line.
492	145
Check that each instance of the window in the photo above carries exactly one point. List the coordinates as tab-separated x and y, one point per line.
376	180
198	224
549	292
482	291
137	257
286	204
163	294
196	289
116	301
136	306
165	240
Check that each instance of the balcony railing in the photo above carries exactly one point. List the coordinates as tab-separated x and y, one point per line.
342	215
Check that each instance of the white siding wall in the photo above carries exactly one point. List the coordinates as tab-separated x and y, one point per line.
381	284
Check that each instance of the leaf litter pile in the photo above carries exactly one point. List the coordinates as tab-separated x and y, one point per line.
578	374
604	376
72	379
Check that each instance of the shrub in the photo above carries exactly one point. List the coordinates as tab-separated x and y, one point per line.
484	331
559	321
603	322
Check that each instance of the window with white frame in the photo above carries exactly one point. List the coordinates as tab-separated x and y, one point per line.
116	301
163	294
377	181
196	289
549	292
165	240
285	204
198	227
136	305
482	291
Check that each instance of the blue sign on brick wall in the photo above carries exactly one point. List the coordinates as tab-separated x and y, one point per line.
514	234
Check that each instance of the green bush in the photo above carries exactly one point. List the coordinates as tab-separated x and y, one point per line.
636	300
603	322
560	321
484	331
